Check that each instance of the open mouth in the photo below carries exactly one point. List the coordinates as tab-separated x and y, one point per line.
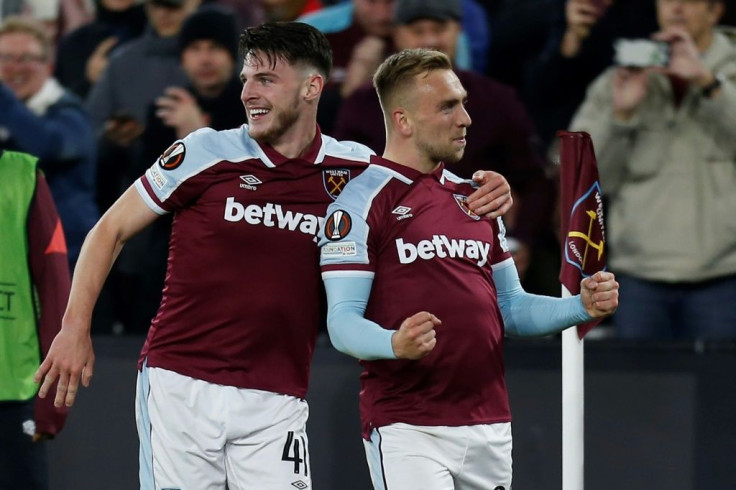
257	113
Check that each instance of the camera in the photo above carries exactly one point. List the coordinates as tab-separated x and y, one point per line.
641	53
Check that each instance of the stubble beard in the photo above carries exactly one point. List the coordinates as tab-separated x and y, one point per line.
440	153
284	120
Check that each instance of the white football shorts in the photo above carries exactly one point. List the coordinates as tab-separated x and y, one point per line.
196	435
411	457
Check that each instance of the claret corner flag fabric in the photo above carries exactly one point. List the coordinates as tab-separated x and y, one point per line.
582	230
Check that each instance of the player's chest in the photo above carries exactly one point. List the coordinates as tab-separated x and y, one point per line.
436	224
251	200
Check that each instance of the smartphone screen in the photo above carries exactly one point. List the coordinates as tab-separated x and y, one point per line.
641	53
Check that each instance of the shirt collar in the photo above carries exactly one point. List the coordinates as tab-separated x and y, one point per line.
312	155
410	173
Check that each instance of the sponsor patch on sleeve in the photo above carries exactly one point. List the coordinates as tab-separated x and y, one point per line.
173	157
338	225
345	249
156	177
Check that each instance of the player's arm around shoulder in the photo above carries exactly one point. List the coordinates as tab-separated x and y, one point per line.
492	197
71	356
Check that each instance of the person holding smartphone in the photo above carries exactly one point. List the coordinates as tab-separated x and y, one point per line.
665	139
579	47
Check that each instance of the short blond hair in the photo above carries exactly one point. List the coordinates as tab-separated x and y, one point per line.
15	24
399	69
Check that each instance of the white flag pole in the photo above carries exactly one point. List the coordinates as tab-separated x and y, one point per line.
573	408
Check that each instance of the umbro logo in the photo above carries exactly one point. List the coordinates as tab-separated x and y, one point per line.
403	212
300	485
250	182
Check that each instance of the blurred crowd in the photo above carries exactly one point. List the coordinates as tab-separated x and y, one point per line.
97	90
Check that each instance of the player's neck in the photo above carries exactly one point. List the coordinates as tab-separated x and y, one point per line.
409	156
297	140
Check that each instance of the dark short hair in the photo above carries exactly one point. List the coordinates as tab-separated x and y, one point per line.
402	67
293	42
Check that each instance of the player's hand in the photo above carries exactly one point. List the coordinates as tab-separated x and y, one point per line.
599	294
416	337
493	198
70	359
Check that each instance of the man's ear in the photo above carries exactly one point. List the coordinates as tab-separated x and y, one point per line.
313	86
402	121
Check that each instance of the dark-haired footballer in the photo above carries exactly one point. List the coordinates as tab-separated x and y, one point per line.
224	370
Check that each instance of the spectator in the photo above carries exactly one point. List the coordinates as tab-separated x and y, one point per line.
34	287
360	34
208	43
38	116
84	53
208	46
135	76
579	48
119	101
666	146
503	138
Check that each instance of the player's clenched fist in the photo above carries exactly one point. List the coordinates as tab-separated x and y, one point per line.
599	294
416	336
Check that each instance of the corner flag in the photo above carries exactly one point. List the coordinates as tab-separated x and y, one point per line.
582	230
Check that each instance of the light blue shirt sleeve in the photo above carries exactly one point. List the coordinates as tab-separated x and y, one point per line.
530	315
350	332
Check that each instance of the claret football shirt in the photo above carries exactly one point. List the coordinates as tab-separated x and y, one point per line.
414	234
241	303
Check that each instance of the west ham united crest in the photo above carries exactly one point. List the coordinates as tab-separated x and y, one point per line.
172	157
462	201
337	225
584	245
334	180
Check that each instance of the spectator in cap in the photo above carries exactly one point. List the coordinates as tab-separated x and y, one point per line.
472	21
208	47
360	34
502	134
208	50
